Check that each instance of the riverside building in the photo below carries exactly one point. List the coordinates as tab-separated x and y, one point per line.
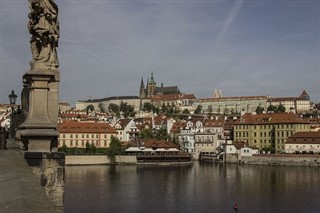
78	134
268	131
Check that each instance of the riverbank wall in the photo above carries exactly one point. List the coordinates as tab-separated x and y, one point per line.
76	160
276	159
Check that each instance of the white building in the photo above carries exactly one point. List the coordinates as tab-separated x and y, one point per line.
303	143
126	129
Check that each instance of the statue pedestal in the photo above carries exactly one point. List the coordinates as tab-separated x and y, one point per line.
39	131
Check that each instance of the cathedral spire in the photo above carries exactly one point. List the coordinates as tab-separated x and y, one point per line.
142	93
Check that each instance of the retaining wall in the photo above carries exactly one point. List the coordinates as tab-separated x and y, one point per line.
286	160
98	160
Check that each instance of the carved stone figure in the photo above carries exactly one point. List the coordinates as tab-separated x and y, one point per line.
44	27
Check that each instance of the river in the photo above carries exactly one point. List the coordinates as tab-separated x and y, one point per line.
200	187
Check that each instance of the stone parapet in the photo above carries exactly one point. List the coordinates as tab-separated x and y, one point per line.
49	167
73	160
283	160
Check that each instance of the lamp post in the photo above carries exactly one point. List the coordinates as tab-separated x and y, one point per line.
12	101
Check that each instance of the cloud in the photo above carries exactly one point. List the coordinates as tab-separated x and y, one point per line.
105	47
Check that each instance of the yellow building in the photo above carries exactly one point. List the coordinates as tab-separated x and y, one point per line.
78	134
268	131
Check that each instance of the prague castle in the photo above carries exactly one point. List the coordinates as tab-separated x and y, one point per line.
151	89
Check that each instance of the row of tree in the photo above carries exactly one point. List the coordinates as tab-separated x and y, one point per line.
126	110
114	149
271	108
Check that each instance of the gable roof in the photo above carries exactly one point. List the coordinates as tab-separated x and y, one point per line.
123	122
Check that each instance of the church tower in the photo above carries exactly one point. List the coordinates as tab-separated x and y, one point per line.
151	87
142	93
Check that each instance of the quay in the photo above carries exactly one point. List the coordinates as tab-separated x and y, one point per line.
20	189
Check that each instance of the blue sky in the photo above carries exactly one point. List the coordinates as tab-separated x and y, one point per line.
243	47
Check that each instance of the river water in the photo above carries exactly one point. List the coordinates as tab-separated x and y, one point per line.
200	187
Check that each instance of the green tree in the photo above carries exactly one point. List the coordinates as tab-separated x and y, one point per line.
198	109
164	108
259	109
64	148
272	108
128	110
114	149
148	107
146	133
114	108
101	107
161	134
186	111
90	108
281	108
210	110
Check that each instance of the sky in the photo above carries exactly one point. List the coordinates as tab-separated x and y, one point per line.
243	47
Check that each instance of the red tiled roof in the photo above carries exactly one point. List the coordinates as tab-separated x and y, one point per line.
152	143
160	120
123	122
304	93
84	127
239	144
177	126
271	118
215	123
304	138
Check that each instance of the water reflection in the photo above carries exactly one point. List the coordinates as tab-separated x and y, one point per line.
194	188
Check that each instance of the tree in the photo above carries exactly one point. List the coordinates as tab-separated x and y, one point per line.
281	108
210	110
148	107
186	111
272	108
161	134
64	148
90	108
114	108
101	107
127	109
146	134
90	148
198	109
259	109
114	149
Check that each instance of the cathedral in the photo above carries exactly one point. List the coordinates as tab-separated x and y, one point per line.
151	89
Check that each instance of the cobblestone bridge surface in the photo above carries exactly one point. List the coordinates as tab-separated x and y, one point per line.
20	189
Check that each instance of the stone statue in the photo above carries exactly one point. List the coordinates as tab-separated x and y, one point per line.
44	27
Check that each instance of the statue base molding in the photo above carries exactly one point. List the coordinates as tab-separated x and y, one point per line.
39	131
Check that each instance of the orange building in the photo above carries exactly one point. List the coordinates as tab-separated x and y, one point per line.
78	134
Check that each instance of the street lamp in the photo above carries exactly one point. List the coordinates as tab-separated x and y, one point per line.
12	100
